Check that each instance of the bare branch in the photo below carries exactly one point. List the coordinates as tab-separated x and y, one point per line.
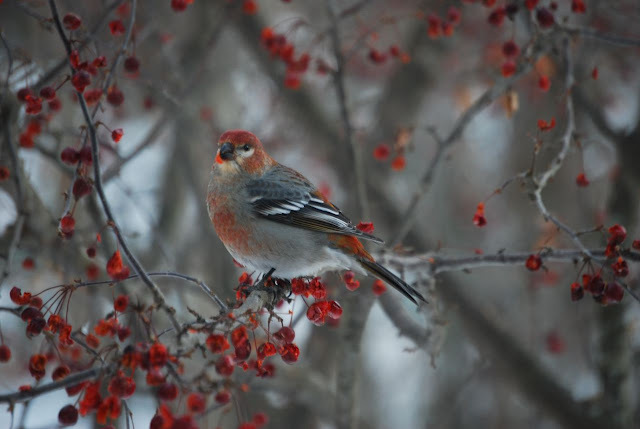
356	152
603	37
155	291
71	380
460	125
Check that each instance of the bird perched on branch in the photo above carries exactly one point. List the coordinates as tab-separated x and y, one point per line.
271	218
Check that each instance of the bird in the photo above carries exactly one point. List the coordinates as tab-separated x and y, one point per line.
273	220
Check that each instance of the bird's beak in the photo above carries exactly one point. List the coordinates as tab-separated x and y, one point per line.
226	151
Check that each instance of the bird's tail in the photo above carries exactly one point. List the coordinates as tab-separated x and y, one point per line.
382	273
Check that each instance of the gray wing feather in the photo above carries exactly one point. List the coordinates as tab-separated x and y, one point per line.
284	196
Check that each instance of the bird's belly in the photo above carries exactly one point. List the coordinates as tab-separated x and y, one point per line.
292	252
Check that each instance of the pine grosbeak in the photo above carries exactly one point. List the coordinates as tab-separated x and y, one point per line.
270	217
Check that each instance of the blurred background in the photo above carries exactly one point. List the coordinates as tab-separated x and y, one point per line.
498	346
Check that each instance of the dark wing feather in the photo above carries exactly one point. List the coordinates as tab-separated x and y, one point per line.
286	197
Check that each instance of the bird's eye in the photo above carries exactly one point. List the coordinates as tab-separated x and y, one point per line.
246	148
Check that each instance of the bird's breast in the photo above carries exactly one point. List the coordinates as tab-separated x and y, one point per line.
233	230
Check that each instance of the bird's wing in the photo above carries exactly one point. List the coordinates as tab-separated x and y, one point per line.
285	196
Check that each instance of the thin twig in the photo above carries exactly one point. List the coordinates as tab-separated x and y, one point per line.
441	264
55	70
198	282
542	179
9	65
598	35
489	96
158	296
73	379
356	152
16	170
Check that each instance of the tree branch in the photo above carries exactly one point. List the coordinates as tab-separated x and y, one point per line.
489	96
158	296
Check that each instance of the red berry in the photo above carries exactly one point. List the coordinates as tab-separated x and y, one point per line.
222	397
68	415
92	96
578	6
508	68
24	93
377	56
115	97
289	353
317	312
4	173
260	419
28	264
55	105
335	310
366	227
614	292
243	352
122	386
48	93
5	353
265	350
99	62
67	224
382	152
496	17
36	302
620	268
86	156
180	5
71	21
239	336
157	422
379	287
69	156
577	292
292	81
284	335
120	304
453	15
636	244
34	106
596	285
510	49
217	343
167	392
81	187
80	80
398	163
37	365
434	25
158	355
530	4
132	65
60	372
250	7
544	83
117	134
17	297
224	365
30	313
196	403
534	262
116	27
123	333
617	234
545	17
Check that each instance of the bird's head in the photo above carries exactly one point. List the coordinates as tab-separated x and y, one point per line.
240	150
